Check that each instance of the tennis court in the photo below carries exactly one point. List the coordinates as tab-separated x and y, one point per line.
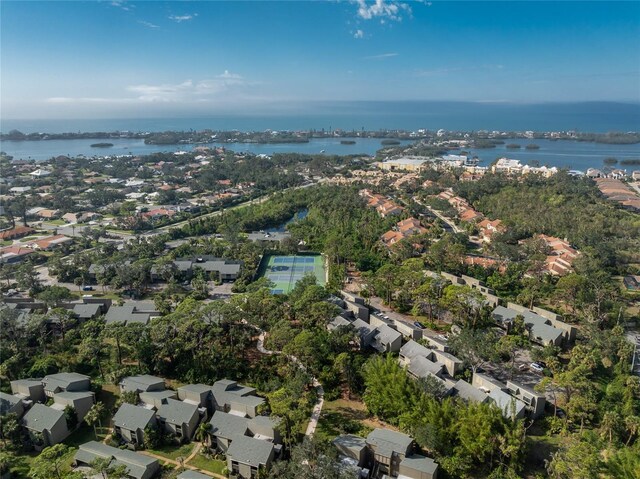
285	271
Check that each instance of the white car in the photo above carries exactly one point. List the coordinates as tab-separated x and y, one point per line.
536	367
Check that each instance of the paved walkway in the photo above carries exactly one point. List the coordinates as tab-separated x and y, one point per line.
185	463
317	408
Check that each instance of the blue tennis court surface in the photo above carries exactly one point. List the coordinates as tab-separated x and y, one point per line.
285	271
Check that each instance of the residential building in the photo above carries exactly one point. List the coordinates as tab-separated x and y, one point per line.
141	383
229	396
188	474
30	389
408	163
225	428
61	382
418	467
385	454
80	401
155	399
510	406
138	466
15	233
543	326
388	449
178	418
50	242
214	268
45	425
247	455
10	404
132	312
535	401
354	447
489	228
422	361
130	421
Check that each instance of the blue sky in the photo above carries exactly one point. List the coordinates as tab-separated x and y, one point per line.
120	58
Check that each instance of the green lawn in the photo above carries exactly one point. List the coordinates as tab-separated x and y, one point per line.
173	452
24	462
57	222
85	434
212	465
343	417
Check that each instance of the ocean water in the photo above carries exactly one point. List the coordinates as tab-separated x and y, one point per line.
46	149
371	115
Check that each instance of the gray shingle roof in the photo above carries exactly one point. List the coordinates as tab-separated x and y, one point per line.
248	450
353	443
141	382
86	311
538	324
73	395
41	417
132	417
387	441
137	464
420	463
421	367
7	401
177	412
388	334
192	475
228	426
413	349
470	393
62	380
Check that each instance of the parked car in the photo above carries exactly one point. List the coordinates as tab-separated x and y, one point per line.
418	324
87	288
536	367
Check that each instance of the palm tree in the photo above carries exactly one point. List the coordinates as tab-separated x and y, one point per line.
632	423
202	433
609	424
95	415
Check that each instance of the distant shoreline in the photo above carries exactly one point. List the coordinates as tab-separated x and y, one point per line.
388	137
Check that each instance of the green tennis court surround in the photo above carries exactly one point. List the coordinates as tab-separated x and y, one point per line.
285	271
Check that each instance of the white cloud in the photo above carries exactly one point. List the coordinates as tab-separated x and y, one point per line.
358	34
148	24
183	18
122	5
382	9
220	87
381	56
229	76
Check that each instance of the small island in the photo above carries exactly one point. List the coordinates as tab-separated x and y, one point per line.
630	162
513	146
101	145
347	142
532	146
389	142
610	161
